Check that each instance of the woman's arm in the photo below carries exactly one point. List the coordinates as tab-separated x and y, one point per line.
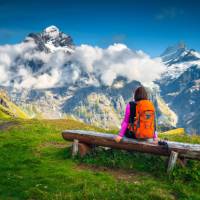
124	124
155	136
125	121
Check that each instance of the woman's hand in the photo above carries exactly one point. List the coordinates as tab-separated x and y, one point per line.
155	140
118	138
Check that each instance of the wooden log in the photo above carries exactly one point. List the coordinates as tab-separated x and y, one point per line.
172	161
184	150
75	147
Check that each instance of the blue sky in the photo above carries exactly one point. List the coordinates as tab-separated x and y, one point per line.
150	25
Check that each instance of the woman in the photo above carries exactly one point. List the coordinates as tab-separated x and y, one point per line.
139	119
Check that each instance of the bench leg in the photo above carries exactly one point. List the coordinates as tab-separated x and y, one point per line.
75	148
83	149
172	161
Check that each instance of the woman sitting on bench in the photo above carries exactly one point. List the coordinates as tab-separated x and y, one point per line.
139	120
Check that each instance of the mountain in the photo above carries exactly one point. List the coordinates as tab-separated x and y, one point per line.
49	77
179	53
180	85
51	40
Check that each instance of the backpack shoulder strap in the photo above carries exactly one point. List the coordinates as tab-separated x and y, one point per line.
132	111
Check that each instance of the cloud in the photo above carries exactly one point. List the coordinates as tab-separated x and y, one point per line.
118	60
169	13
21	66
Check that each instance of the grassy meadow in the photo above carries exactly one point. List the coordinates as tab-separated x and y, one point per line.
36	164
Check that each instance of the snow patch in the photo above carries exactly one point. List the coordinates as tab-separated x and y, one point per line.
175	70
52	31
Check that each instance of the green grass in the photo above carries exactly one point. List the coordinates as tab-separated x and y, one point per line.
3	114
10	109
35	163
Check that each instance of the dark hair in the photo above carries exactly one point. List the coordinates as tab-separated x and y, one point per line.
140	94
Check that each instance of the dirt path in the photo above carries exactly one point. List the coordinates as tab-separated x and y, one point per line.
6	125
120	174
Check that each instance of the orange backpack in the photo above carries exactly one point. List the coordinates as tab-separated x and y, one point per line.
144	123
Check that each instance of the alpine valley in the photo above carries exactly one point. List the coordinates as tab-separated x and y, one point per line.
36	64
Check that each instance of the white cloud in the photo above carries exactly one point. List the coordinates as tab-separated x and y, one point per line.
54	69
3	75
119	60
169	13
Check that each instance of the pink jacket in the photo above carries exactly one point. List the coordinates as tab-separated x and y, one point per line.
125	122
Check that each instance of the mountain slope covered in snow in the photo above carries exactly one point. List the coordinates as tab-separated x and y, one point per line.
180	85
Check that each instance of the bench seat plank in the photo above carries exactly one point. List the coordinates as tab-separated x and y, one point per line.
184	150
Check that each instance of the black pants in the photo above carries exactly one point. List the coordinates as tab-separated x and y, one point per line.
129	134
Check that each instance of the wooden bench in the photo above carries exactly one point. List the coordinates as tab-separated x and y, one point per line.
83	139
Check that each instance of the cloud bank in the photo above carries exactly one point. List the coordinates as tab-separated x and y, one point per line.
22	66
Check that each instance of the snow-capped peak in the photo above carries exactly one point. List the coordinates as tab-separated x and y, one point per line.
51	40
56	40
173	49
52	31
178	58
179	53
51	28
173	52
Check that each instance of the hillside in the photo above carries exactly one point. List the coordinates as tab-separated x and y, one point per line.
36	164
8	109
